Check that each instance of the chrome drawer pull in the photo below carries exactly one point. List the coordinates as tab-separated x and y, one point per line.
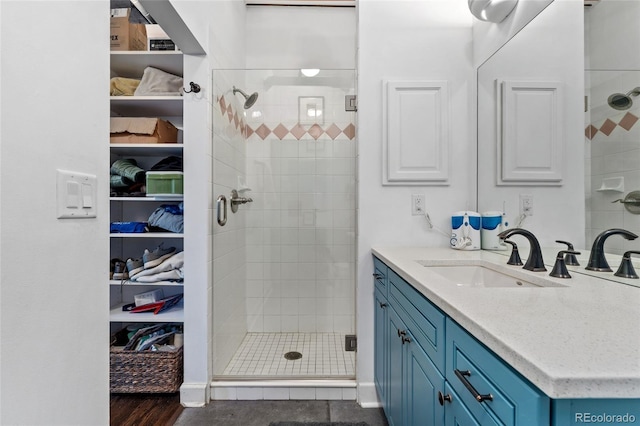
478	397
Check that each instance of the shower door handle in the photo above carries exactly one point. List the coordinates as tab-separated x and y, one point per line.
221	210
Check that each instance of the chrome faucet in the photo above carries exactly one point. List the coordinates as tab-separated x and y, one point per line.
597	261
534	261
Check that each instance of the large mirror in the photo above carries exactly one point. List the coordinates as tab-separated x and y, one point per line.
592	58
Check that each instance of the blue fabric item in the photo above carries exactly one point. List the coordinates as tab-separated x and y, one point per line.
128	227
173	208
167	220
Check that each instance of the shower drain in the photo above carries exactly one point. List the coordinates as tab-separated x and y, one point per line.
293	355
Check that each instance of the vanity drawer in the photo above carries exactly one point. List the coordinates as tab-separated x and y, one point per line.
380	271
513	400
424	320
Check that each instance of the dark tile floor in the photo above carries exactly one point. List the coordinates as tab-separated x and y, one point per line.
262	413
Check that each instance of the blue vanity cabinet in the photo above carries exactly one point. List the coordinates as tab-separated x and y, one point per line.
490	389
380	330
381	347
415	363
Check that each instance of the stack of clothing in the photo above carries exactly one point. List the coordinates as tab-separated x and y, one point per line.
168	217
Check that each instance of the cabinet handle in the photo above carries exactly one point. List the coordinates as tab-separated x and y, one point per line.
406	340
442	398
378	276
402	333
462	375
382	305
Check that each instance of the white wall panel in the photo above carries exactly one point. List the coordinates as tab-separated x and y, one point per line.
531	144
416	140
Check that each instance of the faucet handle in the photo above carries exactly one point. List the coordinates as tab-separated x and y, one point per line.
560	268
514	259
569	259
626	270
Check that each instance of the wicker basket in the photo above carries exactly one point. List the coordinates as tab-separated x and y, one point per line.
145	371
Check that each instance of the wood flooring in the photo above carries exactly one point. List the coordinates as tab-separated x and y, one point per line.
144	409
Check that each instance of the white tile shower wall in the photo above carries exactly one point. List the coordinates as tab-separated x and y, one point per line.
615	152
612	137
229	273
301	225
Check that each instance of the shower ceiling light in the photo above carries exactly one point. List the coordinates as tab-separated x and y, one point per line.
492	10
309	72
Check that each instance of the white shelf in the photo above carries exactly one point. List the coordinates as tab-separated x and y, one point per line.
147	149
131	64
135	283
156	199
173	314
148	235
146	106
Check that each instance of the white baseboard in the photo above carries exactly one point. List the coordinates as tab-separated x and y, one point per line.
303	389
194	395
368	396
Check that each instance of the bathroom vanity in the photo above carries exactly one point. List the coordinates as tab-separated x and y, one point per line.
463	338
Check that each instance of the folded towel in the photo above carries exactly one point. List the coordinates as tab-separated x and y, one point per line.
156	82
173	275
121	86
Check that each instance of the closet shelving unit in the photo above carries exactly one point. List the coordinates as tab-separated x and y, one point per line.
131	64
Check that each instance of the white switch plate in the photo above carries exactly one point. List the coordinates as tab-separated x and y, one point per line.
76	195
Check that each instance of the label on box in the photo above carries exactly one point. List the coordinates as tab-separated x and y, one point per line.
120	13
161	44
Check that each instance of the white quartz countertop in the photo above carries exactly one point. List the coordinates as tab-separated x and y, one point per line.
581	340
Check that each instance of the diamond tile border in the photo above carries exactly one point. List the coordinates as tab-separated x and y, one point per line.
627	122
332	130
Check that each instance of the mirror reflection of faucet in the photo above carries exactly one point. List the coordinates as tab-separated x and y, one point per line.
597	261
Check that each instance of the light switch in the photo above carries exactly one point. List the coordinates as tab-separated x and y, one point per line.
76	195
87	196
72	194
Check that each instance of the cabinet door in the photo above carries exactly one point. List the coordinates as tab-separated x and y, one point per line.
394	367
380	346
423	381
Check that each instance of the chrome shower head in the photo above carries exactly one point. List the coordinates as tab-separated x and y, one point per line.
249	100
620	101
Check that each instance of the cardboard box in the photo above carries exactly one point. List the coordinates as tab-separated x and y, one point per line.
125	35
157	39
148	297
142	130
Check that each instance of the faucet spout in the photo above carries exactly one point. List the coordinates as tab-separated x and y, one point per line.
534	261
597	261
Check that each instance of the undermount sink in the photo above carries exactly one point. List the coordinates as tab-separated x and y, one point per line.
475	276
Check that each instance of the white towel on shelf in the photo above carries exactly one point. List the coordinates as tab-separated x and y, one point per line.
156	82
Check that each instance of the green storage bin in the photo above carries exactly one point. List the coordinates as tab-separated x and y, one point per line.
164	184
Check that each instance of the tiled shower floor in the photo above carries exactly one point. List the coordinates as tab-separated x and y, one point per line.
262	354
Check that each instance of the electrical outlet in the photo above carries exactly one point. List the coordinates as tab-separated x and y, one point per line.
526	204
417	204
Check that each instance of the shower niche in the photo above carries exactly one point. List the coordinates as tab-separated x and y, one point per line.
284	264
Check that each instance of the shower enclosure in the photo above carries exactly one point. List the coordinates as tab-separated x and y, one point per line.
284	262
612	122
